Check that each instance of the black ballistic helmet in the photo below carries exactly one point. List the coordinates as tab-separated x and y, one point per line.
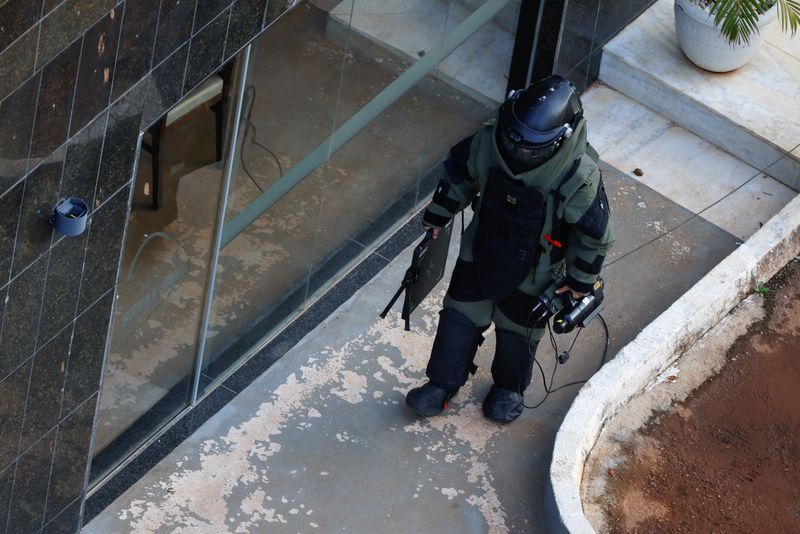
533	123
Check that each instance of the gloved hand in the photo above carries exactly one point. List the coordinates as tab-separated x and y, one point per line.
577	295
434	231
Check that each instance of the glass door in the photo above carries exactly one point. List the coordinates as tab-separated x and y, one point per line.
158	314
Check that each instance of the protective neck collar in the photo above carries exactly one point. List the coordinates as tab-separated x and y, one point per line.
543	176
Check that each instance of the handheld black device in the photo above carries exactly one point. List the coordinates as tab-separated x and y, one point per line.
427	269
569	313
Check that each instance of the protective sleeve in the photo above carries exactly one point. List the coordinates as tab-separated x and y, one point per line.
456	190
591	235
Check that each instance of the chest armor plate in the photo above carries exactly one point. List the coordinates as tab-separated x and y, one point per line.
506	244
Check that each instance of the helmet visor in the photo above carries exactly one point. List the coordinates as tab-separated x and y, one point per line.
519	156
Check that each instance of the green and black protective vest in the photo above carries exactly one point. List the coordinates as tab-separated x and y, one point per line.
530	225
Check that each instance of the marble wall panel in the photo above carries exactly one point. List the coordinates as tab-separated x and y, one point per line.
62	287
205	54
103	249
69	461
54	106
86	357
68	22
45	390
245	23
20	318
67	522
49	5
13	391
29	495
16	125
206	11
588	25
34	230
174	27
17	62
17	17
6	483
98	59
166	86
10	205
83	161
578	33
119	149
135	53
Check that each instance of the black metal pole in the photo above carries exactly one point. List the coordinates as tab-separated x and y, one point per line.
524	44
537	41
549	38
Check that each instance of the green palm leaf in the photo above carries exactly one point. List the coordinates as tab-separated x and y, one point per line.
738	19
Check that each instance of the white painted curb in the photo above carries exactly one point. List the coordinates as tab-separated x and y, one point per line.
653	351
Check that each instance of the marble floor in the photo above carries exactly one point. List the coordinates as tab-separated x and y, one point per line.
680	165
752	112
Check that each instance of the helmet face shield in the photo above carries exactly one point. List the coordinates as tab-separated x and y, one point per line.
533	123
520	156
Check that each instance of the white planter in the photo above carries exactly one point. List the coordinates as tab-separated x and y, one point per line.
706	47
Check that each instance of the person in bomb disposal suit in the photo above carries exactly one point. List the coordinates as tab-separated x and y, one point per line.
540	210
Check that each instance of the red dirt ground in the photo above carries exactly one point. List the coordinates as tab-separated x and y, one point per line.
727	460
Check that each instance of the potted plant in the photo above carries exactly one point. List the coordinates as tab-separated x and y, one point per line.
722	35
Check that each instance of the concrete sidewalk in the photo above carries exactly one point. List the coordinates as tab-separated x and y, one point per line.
323	439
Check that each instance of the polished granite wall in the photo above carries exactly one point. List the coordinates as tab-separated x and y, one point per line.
78	80
587	26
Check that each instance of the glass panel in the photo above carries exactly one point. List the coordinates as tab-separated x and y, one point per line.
317	68
289	109
150	363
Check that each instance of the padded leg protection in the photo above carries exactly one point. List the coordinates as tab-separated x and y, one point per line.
457	340
513	361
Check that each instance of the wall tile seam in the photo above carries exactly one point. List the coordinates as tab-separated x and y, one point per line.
53	461
33	262
28	172
67	45
55	427
229	9
116	57
209	23
61	513
104	110
29	359
67	367
594	28
66	142
23	34
19	454
35	353
11	494
155	38
107	342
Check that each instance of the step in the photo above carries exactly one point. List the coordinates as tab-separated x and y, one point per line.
752	112
410	28
677	163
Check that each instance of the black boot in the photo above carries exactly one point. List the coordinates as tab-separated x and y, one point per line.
502	405
429	400
511	372
457	340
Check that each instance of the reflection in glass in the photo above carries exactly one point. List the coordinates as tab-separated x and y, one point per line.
152	353
313	70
